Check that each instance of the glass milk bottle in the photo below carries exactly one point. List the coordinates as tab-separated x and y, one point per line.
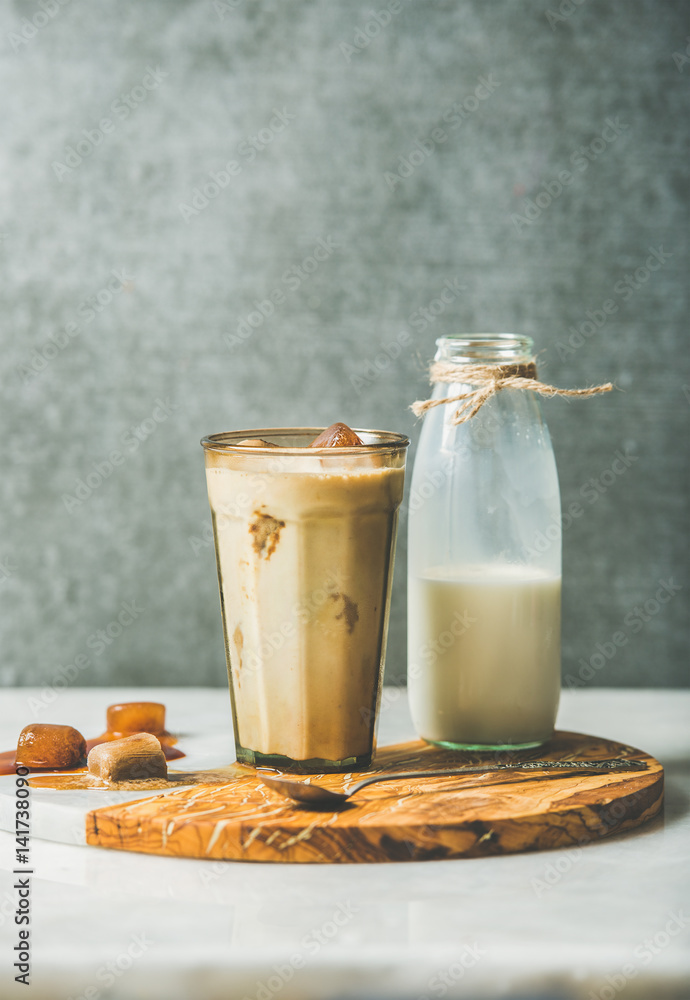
484	585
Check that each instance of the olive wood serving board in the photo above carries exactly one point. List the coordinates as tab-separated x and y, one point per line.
413	820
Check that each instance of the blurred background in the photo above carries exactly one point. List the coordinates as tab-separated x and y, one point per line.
217	215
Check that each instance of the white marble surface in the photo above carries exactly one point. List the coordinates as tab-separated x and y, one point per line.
545	925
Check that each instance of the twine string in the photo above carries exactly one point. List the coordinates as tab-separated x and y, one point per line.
488	380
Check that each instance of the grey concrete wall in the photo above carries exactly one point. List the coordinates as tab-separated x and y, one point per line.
123	292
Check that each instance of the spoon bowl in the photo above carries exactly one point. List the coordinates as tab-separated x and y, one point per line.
300	791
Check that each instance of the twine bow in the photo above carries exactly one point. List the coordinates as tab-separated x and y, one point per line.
488	380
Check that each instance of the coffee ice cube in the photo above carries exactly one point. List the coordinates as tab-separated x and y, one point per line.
256	443
134	758
136	717
337	436
45	745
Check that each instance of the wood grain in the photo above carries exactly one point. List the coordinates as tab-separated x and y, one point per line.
444	817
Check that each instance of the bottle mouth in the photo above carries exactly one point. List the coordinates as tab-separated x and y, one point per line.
485	347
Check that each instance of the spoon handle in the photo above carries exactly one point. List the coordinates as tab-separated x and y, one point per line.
586	766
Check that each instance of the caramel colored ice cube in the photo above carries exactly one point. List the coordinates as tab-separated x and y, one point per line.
337	436
134	758
136	717
45	745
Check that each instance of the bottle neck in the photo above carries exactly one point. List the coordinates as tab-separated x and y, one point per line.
485	349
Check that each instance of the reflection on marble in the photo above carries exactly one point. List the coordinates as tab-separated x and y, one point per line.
551	924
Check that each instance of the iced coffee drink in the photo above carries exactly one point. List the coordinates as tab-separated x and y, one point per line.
305	525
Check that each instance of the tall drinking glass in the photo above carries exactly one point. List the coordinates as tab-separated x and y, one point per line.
305	543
